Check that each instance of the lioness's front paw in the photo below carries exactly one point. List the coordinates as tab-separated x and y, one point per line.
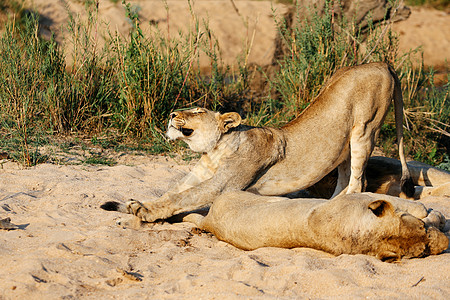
139	210
129	222
435	219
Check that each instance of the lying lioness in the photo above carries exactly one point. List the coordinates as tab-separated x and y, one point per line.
352	224
383	176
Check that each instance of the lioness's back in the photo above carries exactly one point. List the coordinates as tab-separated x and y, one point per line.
319	139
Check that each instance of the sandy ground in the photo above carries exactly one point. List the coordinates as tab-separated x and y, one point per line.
66	247
428	29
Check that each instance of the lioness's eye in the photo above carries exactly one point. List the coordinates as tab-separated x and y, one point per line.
186	131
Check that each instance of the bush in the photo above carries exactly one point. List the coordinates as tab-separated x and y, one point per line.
31	69
128	86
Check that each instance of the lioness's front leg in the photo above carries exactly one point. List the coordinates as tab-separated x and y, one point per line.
228	177
171	203
168	204
150	211
165	206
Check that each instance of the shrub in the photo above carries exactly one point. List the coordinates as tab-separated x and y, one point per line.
129	86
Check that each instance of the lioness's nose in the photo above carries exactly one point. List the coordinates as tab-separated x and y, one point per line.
173	115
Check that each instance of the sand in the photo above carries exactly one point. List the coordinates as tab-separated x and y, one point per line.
428	29
66	247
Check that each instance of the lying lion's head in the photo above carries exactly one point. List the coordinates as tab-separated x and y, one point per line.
200	128
359	223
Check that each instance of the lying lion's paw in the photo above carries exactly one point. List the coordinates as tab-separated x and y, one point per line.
441	191
437	241
129	222
436	191
435	219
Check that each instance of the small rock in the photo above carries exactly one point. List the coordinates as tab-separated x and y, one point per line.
7	225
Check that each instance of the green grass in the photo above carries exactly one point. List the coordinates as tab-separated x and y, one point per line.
99	160
119	96
128	87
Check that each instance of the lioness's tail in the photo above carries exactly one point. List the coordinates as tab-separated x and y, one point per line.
407	184
115	206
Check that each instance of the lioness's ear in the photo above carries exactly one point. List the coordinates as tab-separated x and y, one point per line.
229	120
381	207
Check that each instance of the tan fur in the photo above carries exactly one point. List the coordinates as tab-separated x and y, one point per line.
383	176
366	223
338	129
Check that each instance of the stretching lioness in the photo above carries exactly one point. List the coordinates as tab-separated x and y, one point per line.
351	224
338	129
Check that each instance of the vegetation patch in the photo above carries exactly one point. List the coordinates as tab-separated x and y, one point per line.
119	96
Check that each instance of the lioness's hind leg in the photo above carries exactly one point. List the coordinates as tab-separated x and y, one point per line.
361	146
343	178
